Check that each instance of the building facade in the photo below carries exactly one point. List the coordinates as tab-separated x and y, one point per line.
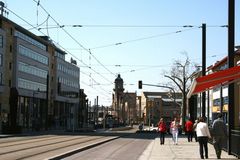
217	101
156	105
47	86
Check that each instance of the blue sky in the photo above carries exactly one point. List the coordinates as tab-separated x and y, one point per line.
146	50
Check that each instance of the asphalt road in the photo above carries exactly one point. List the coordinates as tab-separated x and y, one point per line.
125	148
47	146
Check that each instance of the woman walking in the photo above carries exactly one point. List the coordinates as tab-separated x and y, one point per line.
203	134
162	128
174	130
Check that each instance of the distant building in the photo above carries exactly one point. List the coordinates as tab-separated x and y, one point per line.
117	100
129	108
156	105
124	104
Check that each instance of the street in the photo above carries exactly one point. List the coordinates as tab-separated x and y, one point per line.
103	145
47	146
124	148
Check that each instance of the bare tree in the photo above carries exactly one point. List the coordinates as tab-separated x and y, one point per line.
179	76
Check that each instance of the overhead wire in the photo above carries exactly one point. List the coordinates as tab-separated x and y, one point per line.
59	45
87	50
72	38
142	38
62	26
129	26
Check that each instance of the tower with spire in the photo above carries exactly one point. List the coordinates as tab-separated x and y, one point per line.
117	98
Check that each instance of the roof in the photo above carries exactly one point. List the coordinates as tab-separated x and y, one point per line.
224	60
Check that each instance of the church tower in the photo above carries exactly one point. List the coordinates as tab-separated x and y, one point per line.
117	97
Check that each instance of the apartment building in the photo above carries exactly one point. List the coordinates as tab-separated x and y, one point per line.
156	105
45	85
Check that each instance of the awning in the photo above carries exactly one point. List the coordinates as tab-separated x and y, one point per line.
209	81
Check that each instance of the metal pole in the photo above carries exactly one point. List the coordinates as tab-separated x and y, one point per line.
231	43
208	106
97	111
203	67
221	99
184	98
149	118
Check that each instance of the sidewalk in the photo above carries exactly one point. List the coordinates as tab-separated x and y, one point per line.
183	151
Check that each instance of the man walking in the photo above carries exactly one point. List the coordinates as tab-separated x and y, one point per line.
219	129
189	129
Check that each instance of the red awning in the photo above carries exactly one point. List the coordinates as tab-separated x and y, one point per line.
217	78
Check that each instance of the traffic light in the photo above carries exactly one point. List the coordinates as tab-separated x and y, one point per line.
139	84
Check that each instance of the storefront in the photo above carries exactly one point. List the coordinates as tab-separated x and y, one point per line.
218	82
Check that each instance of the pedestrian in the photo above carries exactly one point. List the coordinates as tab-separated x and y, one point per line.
140	127
219	134
194	130
203	134
174	130
162	128
189	129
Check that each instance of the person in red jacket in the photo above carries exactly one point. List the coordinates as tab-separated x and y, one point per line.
189	130
162	128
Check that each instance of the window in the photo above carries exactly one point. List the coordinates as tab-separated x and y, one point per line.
1	80
1	59
27	84
9	83
24	67
30	40
1	41
10	66
32	54
216	102
10	48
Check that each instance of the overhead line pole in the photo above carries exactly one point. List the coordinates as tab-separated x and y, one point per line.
203	67
231	43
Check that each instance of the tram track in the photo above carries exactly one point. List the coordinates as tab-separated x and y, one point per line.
27	141
31	145
22	138
50	147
